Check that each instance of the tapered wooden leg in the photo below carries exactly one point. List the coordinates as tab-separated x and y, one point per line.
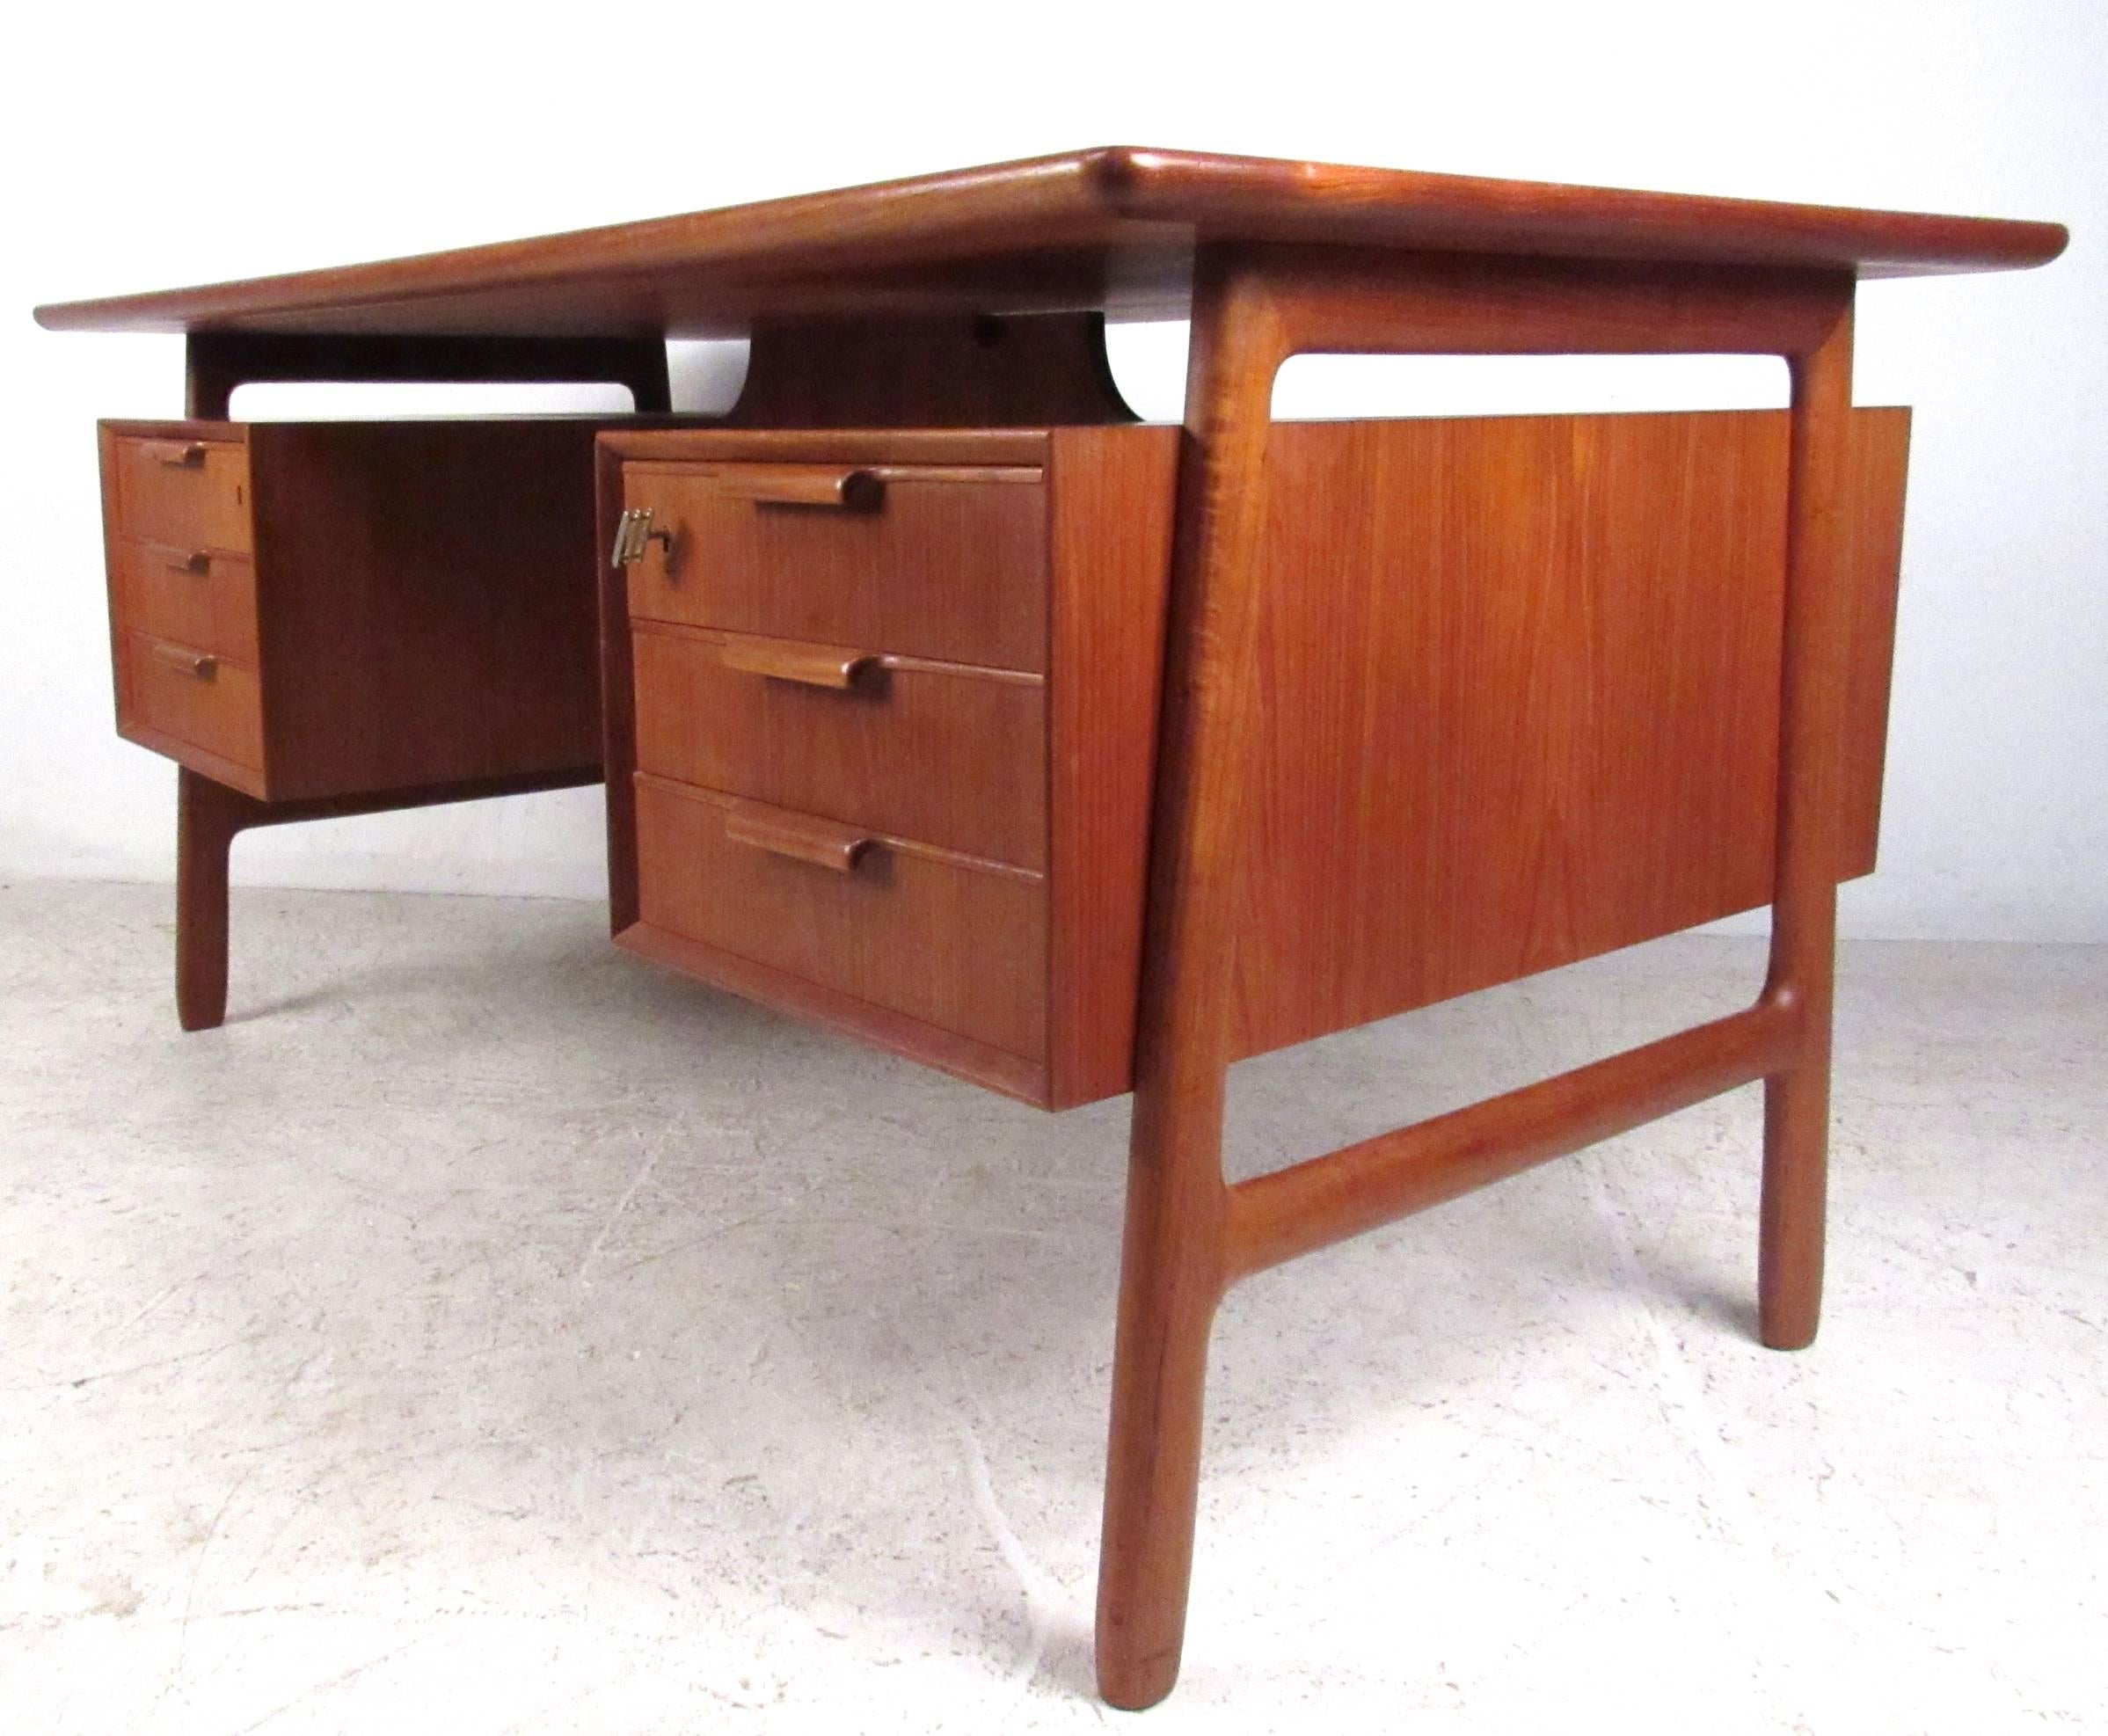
1815	667
207	816
1171	1282
1796	1116
1188	1236
1173	1268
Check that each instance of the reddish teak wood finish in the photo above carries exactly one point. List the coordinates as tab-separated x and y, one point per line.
1605	592
1440	704
209	816
319	619
947	562
1113	228
972	371
404	604
949	682
943	752
1577	620
955	944
1189	1233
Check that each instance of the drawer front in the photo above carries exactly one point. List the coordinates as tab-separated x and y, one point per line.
939	562
187	493
944	755
192	596
956	946
196	697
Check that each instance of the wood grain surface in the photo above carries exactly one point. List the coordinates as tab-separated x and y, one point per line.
949	566
1610	652
426	598
1111	502
191	491
1574	621
949	754
1113	228
970	370
944	939
1531	714
1070	548
192	596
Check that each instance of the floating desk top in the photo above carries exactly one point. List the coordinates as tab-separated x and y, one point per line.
1111	229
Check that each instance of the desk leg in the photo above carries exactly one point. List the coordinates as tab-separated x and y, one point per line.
207	816
1815	665
1173	1267
1188	1234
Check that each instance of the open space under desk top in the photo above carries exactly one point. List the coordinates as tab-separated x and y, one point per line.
1113	229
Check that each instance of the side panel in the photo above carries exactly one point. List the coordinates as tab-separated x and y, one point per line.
427	601
1113	497
1521	679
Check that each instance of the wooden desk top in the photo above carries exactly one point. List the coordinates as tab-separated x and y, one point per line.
1111	229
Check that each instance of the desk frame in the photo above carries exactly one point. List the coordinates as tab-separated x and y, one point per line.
872	307
1189	1233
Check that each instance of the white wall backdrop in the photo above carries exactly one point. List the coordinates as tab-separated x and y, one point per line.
146	151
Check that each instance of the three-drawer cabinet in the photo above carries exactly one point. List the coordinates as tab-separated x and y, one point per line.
882	710
881	714
306	610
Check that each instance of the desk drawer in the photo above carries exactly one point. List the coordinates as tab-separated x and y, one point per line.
188	493
958	944
943	754
946	562
193	596
198	698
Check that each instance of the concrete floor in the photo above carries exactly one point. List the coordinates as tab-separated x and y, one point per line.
486	1332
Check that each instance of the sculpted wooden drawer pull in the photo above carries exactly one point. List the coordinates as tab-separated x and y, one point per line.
199	560
804	486
802	840
786	660
188	456
191	662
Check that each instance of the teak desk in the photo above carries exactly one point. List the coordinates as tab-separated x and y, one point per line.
938	701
